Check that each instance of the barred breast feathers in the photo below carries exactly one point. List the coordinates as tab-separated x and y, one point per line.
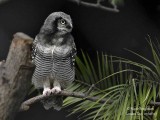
55	60
63	63
43	62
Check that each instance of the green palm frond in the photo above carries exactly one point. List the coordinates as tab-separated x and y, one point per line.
111	84
104	74
127	91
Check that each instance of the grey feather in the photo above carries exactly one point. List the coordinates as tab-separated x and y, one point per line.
54	53
55	102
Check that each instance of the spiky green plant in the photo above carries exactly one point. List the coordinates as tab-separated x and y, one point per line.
128	93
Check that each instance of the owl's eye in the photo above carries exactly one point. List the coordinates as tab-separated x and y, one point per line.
62	21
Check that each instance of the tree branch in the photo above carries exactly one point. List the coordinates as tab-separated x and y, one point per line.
87	4
154	103
96	5
84	96
26	105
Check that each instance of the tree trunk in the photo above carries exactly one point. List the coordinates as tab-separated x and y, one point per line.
15	76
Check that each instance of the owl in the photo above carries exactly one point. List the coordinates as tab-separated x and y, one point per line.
54	54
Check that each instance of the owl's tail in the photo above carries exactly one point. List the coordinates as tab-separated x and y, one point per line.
53	101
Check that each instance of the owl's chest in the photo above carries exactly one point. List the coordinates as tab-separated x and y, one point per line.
54	50
61	50
60	47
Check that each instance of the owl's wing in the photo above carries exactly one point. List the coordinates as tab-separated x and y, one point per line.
34	51
73	53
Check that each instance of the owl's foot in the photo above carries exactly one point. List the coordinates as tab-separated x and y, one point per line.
47	91
56	90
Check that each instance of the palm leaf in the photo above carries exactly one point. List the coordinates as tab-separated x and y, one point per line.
115	82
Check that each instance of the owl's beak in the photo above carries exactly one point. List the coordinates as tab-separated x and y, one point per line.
71	25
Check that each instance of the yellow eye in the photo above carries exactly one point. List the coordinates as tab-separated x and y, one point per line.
63	21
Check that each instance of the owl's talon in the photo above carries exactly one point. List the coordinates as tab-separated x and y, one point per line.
56	90
47	91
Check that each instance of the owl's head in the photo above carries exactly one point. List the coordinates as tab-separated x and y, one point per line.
57	22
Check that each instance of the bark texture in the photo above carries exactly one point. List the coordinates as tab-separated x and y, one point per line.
15	76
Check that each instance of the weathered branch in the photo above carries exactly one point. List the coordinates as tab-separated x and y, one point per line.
154	103
87	4
84	96
15	76
25	105
96	5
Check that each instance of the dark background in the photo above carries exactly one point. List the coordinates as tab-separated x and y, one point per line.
94	30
